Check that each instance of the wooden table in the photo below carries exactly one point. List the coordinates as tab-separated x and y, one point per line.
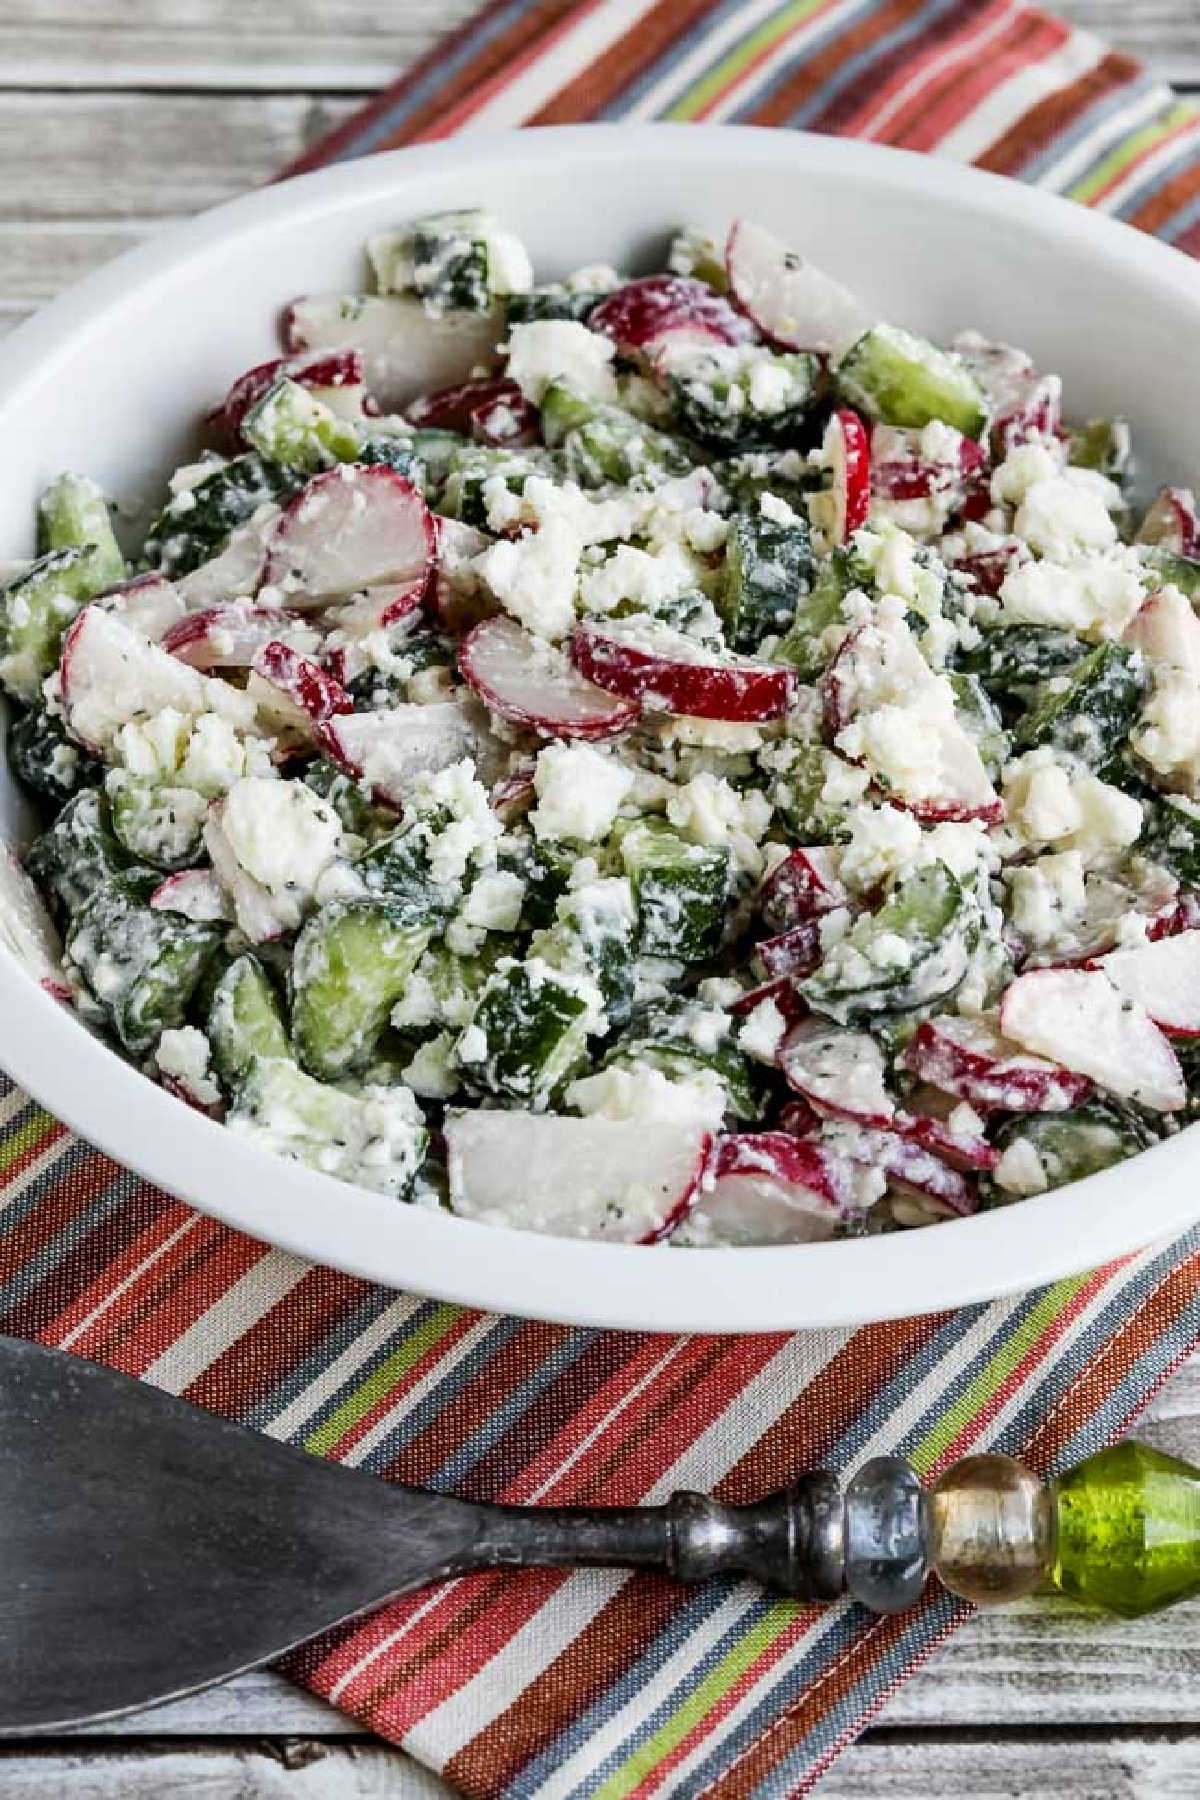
115	117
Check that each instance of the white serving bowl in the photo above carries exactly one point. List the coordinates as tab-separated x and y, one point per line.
111	380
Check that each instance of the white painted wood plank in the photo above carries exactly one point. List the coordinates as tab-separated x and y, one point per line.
341	45
1123	1767
261	1704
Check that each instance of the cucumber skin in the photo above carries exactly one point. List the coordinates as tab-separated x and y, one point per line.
730	431
227	498
164	957
928	910
1071	1145
901	379
72	513
769	568
77	854
37	608
1013	660
1093	715
680	891
291	427
33	745
349	967
534	1034
815	612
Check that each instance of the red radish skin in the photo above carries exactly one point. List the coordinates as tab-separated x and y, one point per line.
987	569
492	412
797	1117
969	1154
224	637
348	529
793	952
171	1084
380	608
513	797
1171	522
642	316
301	682
972	1061
534	684
781	990
662	668
847	451
1036	414
771	1187
912	1169
196	893
803	887
793	303
1164	977
324	369
149	604
900	471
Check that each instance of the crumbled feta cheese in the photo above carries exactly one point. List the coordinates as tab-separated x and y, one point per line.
710	811
762	1032
183	1056
883	842
550	350
1020	1170
1068	514
1096	595
645	579
647	1094
282	833
495	901
580	792
535	577
1049	900
1027	466
433	1071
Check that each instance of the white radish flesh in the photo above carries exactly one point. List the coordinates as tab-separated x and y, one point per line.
112	676
971	1060
607	1180
405	349
1077	1017
666	669
350	528
791	301
841	1073
771	1187
532	683
1163	977
389	749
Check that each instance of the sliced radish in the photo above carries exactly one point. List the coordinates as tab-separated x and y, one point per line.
1172	522
803	887
648	661
642	316
970	1059
1078	1017
770	1187
236	572
293	691
196	893
1164	978
334	376
911	1169
781	990
533	683
257	911
841	1073
901	468
229	637
879	669
962	1150
1004	373
492	412
182	1089
148	604
792	302
405	349
1166	630
27	930
111	676
349	529
796	951
798	1117
513	796
389	749
1182	914
987	569
611	1180
457	596
846	449
1035	412
379	608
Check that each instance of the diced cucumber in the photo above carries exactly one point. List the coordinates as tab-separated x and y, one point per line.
530	1032
454	261
980	719
195	525
802	645
44	759
436	451
912	951
378	690
680	890
738	398
901	379
769	570
290	426
552	302
1013	660
161	826
444	989
245	1020
348	799
142	966
36	609
375	1139
695	253
78	854
72	514
799	794
785	473
546	873
1165	566
396	869
1089	712
399	453
351	963
662	1037
474	464
1072	1145
601	443
1101	444
1171	834
594	935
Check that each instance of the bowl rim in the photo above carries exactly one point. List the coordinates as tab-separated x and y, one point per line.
844	1283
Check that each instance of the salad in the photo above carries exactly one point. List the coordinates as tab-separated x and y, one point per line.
673	757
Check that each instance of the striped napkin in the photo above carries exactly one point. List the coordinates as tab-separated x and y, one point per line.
549	1684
